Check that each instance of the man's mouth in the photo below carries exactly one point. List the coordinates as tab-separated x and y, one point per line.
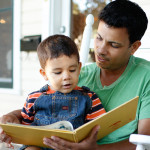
101	59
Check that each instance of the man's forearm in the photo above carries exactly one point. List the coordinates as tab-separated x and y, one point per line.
17	113
123	145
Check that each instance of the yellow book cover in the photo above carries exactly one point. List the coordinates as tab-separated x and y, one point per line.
109	122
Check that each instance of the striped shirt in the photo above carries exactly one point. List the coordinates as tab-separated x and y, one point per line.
28	111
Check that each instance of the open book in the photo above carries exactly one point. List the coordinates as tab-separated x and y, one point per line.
109	122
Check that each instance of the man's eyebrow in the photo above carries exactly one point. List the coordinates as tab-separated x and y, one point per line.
98	34
111	41
115	42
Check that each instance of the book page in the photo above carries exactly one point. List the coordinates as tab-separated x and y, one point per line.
63	125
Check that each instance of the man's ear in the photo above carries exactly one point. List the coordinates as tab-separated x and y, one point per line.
135	46
43	73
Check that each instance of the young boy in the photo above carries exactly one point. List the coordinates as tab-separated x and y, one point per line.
62	99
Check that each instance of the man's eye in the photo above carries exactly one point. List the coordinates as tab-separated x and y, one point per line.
99	37
115	45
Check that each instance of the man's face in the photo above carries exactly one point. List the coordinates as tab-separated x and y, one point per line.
112	47
62	72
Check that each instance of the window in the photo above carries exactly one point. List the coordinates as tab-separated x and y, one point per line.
9	45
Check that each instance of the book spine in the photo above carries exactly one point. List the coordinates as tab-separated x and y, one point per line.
75	137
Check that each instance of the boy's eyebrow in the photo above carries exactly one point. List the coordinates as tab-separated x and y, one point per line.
61	68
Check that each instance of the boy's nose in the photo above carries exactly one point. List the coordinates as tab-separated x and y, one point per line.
66	76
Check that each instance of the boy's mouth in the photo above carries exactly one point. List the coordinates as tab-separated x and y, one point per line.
67	86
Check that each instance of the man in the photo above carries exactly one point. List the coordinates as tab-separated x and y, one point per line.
116	77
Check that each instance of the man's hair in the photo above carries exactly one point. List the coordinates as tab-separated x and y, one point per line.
55	46
127	14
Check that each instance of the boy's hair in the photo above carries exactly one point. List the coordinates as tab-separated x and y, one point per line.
55	46
127	14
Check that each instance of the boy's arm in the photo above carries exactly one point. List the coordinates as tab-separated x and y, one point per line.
97	107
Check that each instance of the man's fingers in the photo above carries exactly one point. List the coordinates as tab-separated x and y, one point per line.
63	144
49	142
94	132
58	143
5	138
9	146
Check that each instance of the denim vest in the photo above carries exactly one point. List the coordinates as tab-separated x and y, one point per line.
73	107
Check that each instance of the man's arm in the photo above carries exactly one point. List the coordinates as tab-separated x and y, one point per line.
90	142
13	117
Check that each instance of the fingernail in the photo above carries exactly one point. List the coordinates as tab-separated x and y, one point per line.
53	138
98	127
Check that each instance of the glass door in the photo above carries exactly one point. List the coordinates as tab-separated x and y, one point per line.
56	17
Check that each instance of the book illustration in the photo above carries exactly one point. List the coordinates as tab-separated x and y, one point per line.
108	122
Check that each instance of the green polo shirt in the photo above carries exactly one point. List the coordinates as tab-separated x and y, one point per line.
135	81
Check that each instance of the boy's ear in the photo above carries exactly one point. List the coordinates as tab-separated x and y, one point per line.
80	65
135	46
43	73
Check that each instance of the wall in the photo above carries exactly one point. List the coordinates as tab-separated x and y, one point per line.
144	50
31	14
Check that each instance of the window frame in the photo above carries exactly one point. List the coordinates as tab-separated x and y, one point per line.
16	73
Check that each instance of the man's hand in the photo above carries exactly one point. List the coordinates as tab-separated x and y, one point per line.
87	144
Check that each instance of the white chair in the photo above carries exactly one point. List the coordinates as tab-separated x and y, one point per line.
142	141
86	40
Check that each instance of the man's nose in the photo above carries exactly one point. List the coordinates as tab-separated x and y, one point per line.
101	48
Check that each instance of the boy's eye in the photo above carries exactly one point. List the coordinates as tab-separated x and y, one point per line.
72	70
57	72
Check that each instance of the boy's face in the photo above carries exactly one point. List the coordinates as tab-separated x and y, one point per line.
62	72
